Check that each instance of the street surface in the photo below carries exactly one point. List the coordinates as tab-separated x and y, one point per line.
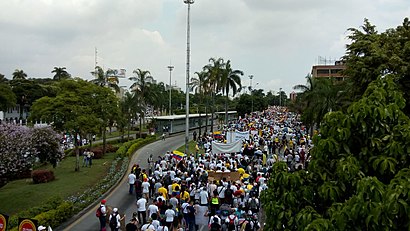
119	197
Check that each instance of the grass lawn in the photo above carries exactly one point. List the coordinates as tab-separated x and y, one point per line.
22	194
117	134
191	147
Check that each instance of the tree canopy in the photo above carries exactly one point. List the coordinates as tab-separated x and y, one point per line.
358	178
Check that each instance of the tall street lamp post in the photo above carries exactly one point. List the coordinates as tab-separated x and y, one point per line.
280	96
251	77
188	2
170	67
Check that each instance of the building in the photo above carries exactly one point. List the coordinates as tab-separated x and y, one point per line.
292	96
329	71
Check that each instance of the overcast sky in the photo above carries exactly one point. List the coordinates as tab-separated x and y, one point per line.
275	41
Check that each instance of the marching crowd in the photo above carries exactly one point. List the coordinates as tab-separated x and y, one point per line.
180	192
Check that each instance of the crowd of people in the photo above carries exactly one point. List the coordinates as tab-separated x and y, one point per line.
180	192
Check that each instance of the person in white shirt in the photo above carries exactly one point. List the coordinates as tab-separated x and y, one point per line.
142	210
203	197
131	182
162	227
145	189
148	226
169	217
153	209
155	221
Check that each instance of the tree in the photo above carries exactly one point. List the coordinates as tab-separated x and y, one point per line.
47	144
3	79
358	178
7	97
60	73
19	75
107	79
79	108
142	95
27	91
371	54
17	152
214	72
231	79
318	97
199	87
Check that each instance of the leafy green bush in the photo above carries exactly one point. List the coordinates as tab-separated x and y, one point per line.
53	203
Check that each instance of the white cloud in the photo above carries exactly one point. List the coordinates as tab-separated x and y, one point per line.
276	41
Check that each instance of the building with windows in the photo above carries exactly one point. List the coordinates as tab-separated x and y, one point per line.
329	71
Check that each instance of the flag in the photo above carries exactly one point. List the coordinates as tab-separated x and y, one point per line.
178	155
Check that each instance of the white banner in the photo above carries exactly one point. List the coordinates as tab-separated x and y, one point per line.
233	136
226	148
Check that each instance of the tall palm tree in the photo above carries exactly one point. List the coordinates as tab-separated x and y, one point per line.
231	79
214	72
19	74
140	88
3	79
199	87
107	79
60	73
318	97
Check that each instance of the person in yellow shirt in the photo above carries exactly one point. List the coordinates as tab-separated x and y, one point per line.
184	196
163	191
175	184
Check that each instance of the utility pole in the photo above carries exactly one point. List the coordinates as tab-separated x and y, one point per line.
280	96
188	2
170	67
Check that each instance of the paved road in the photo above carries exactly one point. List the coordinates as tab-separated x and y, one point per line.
119	196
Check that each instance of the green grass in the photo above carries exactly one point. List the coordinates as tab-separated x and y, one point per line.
191	148
117	134
22	194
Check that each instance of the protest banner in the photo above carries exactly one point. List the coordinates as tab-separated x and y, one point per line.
230	176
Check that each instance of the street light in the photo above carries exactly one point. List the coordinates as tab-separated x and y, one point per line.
170	67
188	2
253	87
280	97
250	88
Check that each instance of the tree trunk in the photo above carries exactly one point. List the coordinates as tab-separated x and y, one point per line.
226	108
140	126
77	154
206	114
212	113
104	139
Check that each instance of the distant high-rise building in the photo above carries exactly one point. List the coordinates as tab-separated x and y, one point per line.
329	71
293	96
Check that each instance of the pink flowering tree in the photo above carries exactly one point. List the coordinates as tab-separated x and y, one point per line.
47	144
17	152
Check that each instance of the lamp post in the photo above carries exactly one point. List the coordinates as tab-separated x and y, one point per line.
280	97
170	67
250	88
188	2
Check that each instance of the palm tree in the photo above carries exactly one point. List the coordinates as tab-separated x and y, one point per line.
231	79
19	74
60	73
318	97
3	79
107	79
214	72
198	86
142	94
